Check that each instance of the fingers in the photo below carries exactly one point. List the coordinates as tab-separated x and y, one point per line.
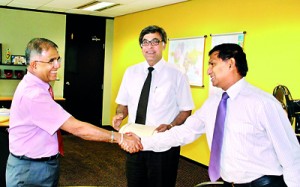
129	149
162	128
116	121
116	127
131	143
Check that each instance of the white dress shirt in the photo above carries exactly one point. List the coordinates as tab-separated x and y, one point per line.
169	92
258	137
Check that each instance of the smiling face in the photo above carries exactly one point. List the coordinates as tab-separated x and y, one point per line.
153	53
45	64
219	71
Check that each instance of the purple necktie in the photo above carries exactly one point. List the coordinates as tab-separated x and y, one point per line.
215	154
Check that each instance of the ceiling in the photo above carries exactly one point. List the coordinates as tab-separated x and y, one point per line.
69	6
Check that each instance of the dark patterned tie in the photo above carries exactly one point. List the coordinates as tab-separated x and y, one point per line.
215	155
143	102
58	132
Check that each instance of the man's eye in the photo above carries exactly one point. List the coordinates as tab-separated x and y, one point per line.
51	61
211	64
155	41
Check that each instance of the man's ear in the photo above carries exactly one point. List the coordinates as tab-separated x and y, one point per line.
32	65
231	63
164	45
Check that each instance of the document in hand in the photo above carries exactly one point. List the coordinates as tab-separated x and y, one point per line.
138	129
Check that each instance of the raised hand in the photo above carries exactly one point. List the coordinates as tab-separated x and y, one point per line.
131	143
116	121
163	127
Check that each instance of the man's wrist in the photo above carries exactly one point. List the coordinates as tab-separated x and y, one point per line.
112	137
116	137
122	138
170	126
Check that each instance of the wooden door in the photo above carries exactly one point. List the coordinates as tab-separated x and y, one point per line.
84	64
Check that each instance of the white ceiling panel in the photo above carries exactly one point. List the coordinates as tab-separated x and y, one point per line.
28	3
69	6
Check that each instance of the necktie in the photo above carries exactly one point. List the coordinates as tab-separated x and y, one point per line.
143	102
58	132
215	155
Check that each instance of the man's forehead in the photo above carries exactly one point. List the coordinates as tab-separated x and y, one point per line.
214	55
152	36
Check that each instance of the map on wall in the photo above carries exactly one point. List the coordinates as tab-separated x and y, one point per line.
237	38
187	54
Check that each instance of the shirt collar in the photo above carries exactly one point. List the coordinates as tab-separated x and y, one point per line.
34	79
235	89
157	67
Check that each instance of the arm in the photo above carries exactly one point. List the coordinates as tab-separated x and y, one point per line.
121	113
180	119
88	131
284	141
183	134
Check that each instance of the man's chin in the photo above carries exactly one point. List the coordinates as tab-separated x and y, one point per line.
53	78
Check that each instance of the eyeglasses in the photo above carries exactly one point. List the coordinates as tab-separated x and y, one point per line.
153	42
51	61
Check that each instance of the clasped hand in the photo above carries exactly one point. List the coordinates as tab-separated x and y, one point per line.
131	143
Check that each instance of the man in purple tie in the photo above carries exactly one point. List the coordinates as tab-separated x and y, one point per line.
258	147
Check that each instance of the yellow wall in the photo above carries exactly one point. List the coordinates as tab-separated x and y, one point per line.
271	43
17	27
106	112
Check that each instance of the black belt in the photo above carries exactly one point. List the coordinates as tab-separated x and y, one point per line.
264	180
37	159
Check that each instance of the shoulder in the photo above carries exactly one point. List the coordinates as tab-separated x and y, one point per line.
172	66
258	96
172	69
135	68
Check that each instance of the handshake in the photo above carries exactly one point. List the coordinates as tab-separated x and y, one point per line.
131	133
130	142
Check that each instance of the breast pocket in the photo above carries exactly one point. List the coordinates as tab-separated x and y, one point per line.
164	96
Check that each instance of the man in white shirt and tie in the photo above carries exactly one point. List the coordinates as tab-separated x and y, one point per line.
259	145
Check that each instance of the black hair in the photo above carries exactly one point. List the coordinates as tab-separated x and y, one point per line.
231	50
153	29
